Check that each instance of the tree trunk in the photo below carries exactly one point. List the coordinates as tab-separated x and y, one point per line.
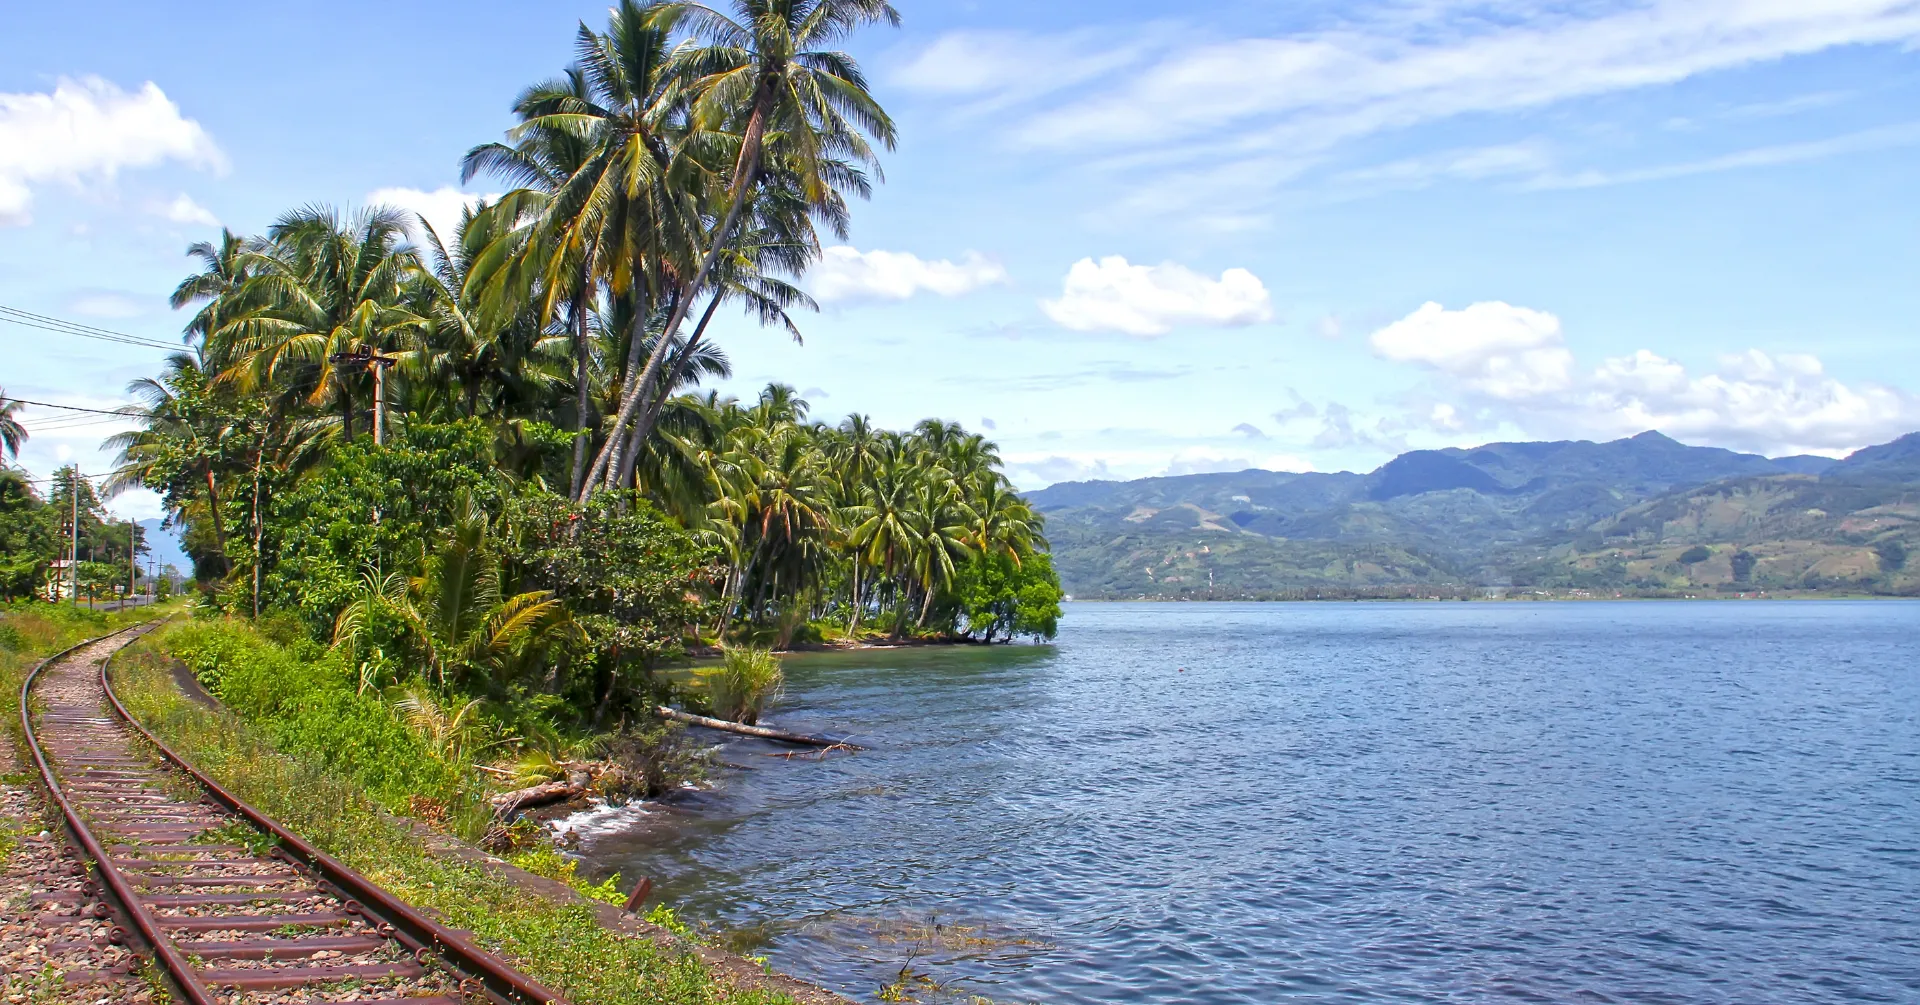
583	436
603	469
346	411
219	525
745	171
643	425
257	528
806	739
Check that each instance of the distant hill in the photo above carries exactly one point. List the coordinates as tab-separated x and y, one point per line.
1548	513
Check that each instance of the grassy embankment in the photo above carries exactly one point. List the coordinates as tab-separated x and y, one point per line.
304	747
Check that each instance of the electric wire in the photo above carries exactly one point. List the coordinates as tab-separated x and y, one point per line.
41	321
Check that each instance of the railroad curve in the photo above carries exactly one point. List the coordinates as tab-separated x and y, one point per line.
175	863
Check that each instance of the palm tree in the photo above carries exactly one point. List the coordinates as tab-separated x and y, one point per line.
801	107
468	631
322	295
12	433
556	261
184	443
216	286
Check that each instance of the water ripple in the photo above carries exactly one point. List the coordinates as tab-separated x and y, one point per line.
1633	802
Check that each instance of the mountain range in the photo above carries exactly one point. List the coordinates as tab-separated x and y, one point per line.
1645	514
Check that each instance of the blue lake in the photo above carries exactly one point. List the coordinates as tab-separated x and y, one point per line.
1459	802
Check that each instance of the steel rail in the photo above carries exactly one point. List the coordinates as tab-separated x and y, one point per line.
413	929
164	951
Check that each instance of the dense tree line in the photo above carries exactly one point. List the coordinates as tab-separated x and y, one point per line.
484	457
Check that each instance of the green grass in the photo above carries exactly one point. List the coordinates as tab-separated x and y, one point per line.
303	699
561	945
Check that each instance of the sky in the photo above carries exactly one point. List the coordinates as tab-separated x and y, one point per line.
1122	239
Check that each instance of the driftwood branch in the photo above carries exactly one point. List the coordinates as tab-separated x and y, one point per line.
506	803
762	732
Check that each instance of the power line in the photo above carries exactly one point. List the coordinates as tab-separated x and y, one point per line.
41	321
77	408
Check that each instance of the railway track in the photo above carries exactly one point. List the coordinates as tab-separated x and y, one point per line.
231	907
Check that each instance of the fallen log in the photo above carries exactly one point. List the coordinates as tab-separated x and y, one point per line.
762	732
506	803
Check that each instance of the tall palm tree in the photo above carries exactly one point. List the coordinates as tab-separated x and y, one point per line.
216	286
761	75
556	261
325	290
186	442
12	433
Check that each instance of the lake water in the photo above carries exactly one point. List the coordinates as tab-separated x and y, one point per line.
1462	802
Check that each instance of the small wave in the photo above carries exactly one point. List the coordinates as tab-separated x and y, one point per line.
601	818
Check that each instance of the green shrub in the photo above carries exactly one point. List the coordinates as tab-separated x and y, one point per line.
302	697
745	682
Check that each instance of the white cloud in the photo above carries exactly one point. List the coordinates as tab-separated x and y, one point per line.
1000	67
1510	364
1778	403
1205	460
441	207
184	210
87	130
1032	471
1880	138
849	274
1494	348
1113	295
1454	59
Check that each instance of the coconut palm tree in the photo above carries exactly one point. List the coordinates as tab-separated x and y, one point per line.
12	434
762	76
325	291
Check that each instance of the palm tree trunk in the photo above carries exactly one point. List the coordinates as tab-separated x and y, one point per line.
258	452
643	425
745	171
629	388
346	411
583	433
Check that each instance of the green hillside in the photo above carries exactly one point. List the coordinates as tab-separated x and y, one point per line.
1639	515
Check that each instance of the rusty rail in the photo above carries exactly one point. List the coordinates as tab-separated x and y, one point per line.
390	917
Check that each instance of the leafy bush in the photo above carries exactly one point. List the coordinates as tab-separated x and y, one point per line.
1695	555
304	700
372	508
744	683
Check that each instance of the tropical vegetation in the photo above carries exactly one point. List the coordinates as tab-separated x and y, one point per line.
484	466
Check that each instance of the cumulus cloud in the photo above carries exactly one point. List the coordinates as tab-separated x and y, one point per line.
849	274
1508	363
1493	347
182	209
1114	295
88	130
441	207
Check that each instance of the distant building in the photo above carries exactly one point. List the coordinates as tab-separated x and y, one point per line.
59	585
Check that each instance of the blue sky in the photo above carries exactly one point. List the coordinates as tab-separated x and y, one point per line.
1133	239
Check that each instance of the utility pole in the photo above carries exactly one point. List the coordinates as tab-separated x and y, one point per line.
133	571
73	557
380	364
